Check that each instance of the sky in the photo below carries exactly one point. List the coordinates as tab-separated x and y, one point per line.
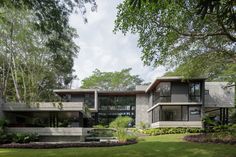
102	49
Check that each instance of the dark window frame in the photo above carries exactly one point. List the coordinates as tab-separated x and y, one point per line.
195	96
182	118
157	98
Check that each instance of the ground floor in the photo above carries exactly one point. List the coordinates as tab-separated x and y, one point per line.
163	145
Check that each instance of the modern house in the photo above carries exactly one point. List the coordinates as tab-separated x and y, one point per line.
166	102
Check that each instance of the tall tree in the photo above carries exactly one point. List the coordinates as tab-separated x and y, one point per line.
197	33
118	80
29	69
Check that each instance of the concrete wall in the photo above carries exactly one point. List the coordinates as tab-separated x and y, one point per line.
194	124
218	95
142	105
48	131
45	106
179	92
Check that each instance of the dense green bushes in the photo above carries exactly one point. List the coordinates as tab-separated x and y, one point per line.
17	138
162	131
102	132
120	124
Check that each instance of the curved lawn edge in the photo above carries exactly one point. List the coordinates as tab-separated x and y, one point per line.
203	138
44	145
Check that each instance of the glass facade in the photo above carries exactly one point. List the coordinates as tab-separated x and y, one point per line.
110	107
87	98
162	93
195	92
43	119
176	113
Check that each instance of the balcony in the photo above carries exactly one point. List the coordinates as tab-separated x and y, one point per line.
49	131
45	106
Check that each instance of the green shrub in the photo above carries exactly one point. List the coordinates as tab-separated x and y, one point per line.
5	138
17	138
120	124
208	123
162	131
3	123
143	125
99	126
105	132
24	138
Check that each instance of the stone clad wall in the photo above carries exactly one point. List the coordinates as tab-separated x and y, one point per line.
142	105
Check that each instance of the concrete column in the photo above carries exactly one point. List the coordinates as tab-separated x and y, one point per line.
142	104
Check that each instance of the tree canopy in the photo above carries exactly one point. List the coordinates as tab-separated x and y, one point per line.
37	47
199	34
118	80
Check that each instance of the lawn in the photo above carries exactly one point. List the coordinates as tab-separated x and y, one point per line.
159	146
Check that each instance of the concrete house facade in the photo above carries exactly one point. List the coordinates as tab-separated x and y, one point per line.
166	102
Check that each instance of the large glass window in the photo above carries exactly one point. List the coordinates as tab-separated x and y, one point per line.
155	114
112	106
194	113
162	93
43	119
89	100
176	113
171	113
86	98
195	92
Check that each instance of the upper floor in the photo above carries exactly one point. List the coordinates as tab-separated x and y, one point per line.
175	90
164	90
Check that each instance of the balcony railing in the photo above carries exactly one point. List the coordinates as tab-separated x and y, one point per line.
48	131
45	106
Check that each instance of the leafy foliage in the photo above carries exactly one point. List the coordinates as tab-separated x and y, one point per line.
118	80
198	34
33	63
163	131
3	123
18	138
120	124
101	132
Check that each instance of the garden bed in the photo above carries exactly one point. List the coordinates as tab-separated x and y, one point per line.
46	145
211	138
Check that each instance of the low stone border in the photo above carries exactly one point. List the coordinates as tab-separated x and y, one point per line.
45	145
202	138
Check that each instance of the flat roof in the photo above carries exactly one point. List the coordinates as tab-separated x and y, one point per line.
170	78
120	93
73	91
137	91
100	92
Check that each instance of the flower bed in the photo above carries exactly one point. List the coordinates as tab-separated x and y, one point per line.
45	145
211	138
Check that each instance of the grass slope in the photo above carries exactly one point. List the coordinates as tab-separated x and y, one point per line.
159	146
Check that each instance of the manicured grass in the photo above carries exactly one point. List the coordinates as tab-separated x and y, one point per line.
159	146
